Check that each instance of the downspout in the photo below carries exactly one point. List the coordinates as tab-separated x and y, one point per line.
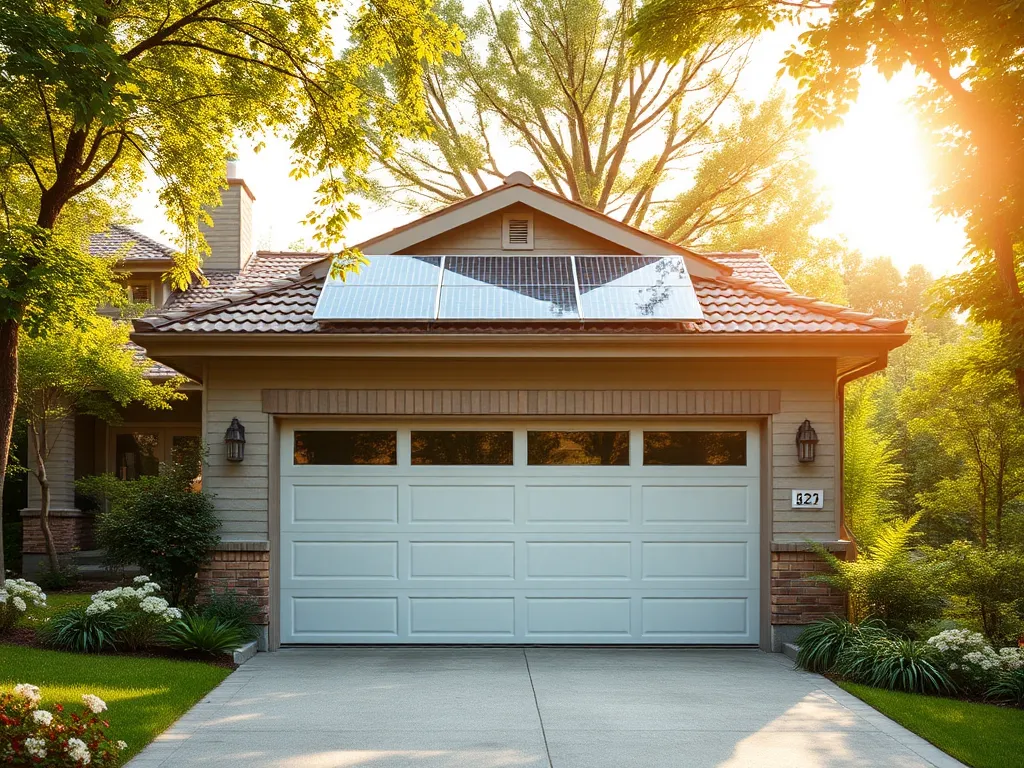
874	366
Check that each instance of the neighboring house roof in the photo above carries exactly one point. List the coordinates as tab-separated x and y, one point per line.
115	240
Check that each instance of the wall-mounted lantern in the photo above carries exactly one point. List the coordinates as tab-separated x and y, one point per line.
806	439
234	439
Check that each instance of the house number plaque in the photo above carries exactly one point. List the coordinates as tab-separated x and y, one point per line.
808	499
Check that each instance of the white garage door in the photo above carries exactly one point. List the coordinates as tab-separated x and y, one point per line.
539	533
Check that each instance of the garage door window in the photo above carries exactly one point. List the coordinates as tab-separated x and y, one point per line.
337	447
577	448
491	448
695	449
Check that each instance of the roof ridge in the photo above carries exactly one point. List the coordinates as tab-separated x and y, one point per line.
229	298
810	302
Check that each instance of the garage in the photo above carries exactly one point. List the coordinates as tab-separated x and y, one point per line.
543	533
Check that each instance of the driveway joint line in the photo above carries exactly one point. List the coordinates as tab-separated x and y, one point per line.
536	703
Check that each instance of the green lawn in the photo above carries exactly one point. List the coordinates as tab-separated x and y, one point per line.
144	696
980	735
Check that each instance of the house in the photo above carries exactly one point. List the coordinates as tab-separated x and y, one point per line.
523	422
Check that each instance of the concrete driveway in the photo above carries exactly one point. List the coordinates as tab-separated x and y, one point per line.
532	708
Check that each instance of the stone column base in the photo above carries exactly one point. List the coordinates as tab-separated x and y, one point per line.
72	531
244	568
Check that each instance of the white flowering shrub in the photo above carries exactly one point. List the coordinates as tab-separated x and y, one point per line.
971	660
15	597
144	613
34	736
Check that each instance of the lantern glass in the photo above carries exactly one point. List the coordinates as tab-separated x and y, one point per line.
234	439
806	440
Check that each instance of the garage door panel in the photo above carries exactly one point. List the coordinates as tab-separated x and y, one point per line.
492	617
329	618
330	504
698	619
471	559
578	560
697	560
577	619
570	505
693	504
344	560
461	504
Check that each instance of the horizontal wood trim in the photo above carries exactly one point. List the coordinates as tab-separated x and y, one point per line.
522	402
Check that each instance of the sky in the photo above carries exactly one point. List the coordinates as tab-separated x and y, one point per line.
873	171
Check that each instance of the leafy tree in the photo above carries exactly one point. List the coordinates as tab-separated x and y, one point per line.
971	67
964	400
985	589
78	369
93	93
666	146
160	523
871	473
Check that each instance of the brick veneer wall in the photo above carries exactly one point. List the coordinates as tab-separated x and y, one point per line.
796	599
242	566
70	530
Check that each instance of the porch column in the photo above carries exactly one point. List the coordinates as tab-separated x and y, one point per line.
71	528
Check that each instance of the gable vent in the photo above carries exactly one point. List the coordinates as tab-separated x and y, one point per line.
517	232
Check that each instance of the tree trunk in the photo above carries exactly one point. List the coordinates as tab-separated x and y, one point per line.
44	499
8	402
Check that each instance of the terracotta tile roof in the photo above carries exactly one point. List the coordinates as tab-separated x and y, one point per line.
749	265
118	237
265	268
760	303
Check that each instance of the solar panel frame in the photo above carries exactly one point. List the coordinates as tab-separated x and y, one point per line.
513	287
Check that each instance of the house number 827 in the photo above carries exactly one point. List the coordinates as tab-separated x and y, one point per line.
808	499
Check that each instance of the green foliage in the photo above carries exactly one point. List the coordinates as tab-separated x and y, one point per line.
985	589
896	664
229	607
47	280
77	630
203	634
822	643
64	577
1008	687
871	473
886	580
963	402
158	523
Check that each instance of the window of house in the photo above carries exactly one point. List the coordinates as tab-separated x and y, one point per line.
335	447
690	448
562	448
136	454
493	448
140	293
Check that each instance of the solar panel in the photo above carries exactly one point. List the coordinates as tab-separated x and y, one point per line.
636	288
388	288
508	288
520	287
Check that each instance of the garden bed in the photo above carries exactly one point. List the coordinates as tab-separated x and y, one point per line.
144	695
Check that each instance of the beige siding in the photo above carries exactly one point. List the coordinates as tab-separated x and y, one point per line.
234	388
60	467
230	237
550	235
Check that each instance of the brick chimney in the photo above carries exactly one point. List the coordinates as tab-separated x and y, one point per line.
230	237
